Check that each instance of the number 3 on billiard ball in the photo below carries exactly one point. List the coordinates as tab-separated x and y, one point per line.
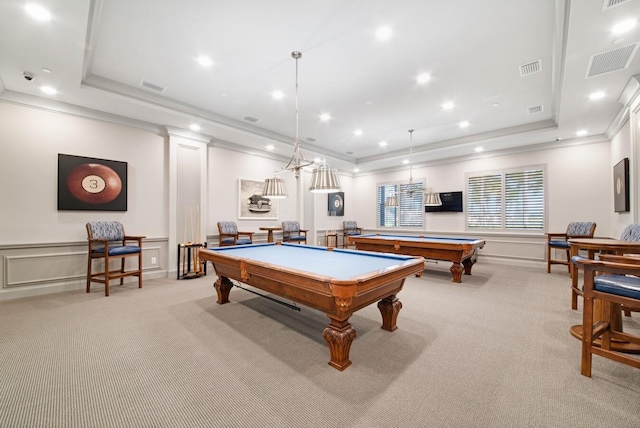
94	183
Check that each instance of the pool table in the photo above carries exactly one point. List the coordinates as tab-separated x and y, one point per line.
460	251
337	282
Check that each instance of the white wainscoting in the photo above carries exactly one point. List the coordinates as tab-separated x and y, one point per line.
34	269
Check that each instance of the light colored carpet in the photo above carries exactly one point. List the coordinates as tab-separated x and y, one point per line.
493	351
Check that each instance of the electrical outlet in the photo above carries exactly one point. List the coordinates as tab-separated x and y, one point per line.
154	260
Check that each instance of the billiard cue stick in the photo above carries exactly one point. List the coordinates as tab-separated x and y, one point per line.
288	305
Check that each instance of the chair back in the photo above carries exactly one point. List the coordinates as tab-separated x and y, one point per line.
109	230
631	233
228	227
581	229
350	225
291	226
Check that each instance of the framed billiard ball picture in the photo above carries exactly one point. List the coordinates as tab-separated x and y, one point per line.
336	204
91	184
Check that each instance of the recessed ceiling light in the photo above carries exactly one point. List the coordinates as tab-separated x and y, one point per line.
479	149
582	133
382	144
383	33
49	90
448	105
623	26
38	12
47	70
356	170
317	160
194	127
223	94
596	95
368	102
357	132
277	95
325	117
495	105
205	61
423	78
270	147
464	124
405	161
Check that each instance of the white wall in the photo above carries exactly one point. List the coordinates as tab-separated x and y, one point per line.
579	186
30	142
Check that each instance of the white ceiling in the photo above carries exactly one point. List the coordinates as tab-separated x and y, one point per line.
100	51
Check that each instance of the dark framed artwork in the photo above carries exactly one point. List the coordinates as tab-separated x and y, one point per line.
336	204
91	184
621	186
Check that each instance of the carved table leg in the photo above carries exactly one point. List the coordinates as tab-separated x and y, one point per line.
389	308
223	286
339	335
456	271
468	264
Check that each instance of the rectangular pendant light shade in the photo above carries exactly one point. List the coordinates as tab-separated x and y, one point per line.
392	201
274	188
324	180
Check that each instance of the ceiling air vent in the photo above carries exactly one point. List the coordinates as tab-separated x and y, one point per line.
310	140
613	60
612	3
530	68
153	86
251	119
536	109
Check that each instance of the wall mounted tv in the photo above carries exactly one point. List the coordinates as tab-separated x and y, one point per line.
451	202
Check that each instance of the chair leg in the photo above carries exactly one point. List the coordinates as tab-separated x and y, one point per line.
121	270
106	275
587	333
568	262
548	259
89	274
140	269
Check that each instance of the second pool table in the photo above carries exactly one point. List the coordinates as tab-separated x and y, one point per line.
460	251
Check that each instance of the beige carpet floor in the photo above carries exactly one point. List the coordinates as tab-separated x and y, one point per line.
494	351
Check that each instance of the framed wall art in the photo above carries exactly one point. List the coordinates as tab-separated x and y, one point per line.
336	204
91	184
621	186
252	205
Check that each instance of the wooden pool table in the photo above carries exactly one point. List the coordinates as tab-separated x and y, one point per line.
460	251
337	282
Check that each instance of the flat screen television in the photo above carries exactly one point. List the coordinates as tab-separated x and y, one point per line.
451	202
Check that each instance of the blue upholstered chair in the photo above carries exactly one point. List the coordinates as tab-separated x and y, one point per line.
108	241
291	232
349	228
560	241
612	281
228	235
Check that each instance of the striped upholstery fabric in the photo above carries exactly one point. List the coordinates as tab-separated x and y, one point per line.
577	229
631	233
351	227
228	227
109	230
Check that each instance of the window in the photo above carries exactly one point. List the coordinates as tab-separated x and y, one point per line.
506	200
410	200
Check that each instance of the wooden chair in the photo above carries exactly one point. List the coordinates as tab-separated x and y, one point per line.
560	241
108	241
228	235
291	232
349	228
611	281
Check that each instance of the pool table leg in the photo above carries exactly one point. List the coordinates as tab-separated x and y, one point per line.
223	286
456	271
339	335
389	308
